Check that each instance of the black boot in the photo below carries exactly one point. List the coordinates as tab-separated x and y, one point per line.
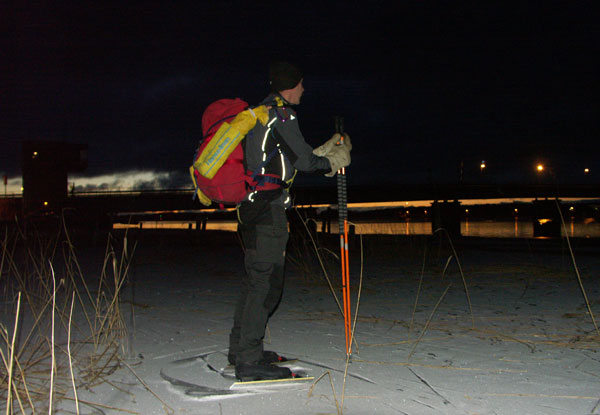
268	356
260	370
272	357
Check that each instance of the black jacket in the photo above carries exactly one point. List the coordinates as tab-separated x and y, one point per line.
282	141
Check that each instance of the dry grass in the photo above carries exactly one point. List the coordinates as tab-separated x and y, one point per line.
306	244
306	250
68	331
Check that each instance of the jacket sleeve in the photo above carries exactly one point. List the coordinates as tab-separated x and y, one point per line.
296	149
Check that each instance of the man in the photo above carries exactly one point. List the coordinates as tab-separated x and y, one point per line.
273	154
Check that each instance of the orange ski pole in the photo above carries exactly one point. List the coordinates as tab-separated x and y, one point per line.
343	231
347	313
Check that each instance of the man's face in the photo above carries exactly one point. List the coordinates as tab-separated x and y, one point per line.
295	94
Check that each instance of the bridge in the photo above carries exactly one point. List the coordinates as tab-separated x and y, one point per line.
101	209
182	200
111	202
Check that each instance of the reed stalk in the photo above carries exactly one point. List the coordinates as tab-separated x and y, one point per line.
51	394
325	274
11	358
581	287
429	320
312	387
464	281
166	407
70	356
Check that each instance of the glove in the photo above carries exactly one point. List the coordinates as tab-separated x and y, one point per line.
338	156
337	151
325	148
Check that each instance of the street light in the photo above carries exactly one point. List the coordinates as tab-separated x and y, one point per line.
540	168
586	171
482	166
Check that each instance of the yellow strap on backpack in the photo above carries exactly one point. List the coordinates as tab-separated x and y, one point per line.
201	196
290	181
227	138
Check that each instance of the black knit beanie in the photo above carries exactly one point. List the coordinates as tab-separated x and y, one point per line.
283	75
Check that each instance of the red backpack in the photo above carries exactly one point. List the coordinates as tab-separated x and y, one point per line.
221	177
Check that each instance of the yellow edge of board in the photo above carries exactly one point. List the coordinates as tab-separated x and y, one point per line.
258	382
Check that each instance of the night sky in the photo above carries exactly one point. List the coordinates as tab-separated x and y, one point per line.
422	85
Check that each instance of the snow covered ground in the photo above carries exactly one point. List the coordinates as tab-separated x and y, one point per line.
528	346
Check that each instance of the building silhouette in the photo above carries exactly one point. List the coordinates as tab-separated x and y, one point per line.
45	165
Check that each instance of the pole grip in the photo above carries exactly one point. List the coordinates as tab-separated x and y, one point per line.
341	182
339	124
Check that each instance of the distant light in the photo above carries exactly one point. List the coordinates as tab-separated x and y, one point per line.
35	154
571	208
482	165
586	170
45	203
516	210
425	211
540	167
466	210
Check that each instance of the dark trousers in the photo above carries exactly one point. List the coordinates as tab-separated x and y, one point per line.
263	227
